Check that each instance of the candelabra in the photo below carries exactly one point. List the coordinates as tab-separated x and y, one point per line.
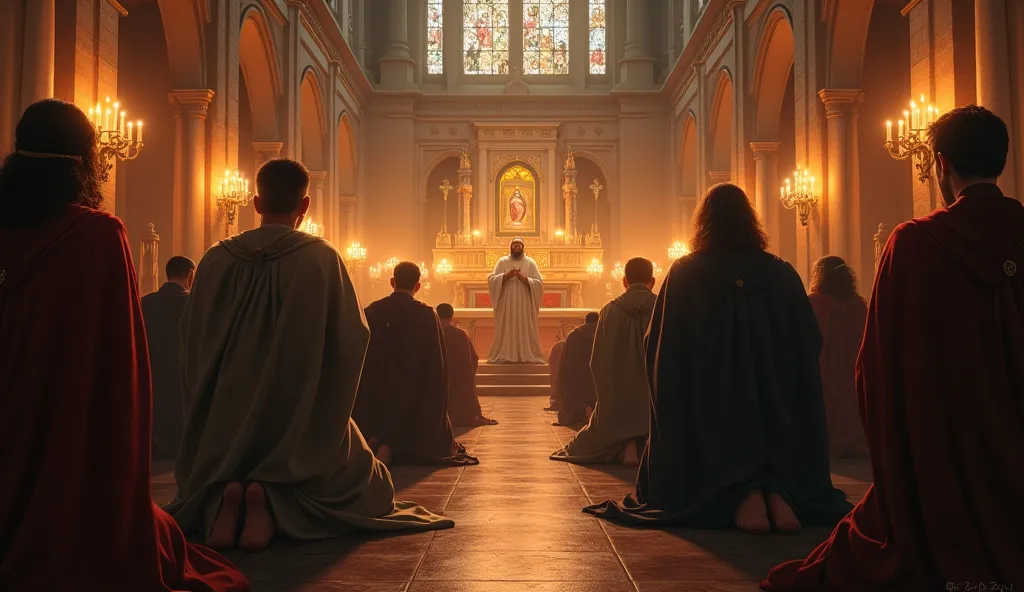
799	195
355	255
117	138
443	238
375	271
390	264
311	227
595	270
442	270
234	194
912	138
678	250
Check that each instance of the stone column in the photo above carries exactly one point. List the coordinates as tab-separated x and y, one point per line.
687	207
483	194
716	177
190	185
551	193
739	91
317	207
991	47
766	186
700	73
348	214
38	52
842	205
636	69
396	66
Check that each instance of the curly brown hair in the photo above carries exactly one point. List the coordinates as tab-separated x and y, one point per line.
832	276
726	221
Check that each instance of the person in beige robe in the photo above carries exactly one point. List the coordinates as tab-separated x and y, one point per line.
618	427
273	340
841	314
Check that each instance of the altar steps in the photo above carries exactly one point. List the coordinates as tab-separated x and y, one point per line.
513	380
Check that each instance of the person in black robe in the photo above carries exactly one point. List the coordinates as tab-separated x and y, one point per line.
738	433
161	312
402	403
575	381
463	361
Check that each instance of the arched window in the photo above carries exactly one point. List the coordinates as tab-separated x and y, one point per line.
598	26
485	36
435	37
545	36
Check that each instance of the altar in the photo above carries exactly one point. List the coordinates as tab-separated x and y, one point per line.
520	191
554	323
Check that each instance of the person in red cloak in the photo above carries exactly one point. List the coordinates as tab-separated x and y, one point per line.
75	406
940	379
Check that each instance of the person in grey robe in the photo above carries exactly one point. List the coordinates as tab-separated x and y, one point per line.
273	340
161	312
617	430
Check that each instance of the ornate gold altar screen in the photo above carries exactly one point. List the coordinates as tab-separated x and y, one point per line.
520	181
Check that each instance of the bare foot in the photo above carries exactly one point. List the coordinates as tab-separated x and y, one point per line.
782	515
588	411
259	526
222	535
383	454
752	515
629	456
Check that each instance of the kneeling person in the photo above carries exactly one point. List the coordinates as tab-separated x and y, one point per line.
618	427
403	392
273	341
463	406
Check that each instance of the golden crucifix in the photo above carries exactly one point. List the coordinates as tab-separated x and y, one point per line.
596	188
445	187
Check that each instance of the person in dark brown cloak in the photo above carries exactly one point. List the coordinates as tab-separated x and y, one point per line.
575	381
463	405
402	405
841	314
554	366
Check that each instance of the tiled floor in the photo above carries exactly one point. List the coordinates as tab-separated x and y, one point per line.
519	528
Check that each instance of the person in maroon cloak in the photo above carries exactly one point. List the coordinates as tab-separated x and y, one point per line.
463	406
840	312
575	381
737	434
940	378
75	507
402	403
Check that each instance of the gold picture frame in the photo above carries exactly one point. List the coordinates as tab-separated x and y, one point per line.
516	191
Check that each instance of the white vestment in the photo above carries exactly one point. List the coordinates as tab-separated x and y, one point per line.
516	309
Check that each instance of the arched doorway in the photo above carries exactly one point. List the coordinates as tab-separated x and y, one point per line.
720	124
345	217
689	183
436	213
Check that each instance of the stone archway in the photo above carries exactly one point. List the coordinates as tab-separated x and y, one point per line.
720	124
311	114
689	174
345	180
847	40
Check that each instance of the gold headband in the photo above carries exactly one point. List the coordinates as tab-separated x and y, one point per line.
49	155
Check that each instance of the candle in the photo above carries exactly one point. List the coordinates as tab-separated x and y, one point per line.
138	126
812	187
122	129
888	131
900	131
129	132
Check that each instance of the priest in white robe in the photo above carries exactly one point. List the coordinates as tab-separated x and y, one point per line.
516	289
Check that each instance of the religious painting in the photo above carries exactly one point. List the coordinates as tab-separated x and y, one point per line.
485	40
516	195
598	29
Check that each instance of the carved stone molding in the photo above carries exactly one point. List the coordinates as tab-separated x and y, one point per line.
764	149
192	102
521	131
840	102
503	159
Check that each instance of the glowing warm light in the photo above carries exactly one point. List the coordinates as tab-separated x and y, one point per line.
234	194
424	271
311	227
618	272
798	194
910	140
116	136
442	270
375	271
677	250
595	270
355	254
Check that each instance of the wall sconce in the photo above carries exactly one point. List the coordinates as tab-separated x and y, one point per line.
799	195
911	138
117	138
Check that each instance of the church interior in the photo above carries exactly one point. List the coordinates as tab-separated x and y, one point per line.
436	131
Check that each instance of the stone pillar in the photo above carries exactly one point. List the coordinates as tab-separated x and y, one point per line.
716	177
397	65
348	214
38	52
290	124
317	207
991	47
636	69
842	205
739	92
190	186
465	191
766	187
700	73
551	193
483	200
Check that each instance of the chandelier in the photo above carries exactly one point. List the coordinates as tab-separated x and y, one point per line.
375	271
442	270
799	195
234	194
117	137
355	254
678	250
595	270
311	227
912	138
618	272
424	272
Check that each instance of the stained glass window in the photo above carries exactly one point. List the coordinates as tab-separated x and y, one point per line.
485	36
545	36
435	37
597	37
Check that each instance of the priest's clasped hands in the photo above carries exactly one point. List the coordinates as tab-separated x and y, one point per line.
514	272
